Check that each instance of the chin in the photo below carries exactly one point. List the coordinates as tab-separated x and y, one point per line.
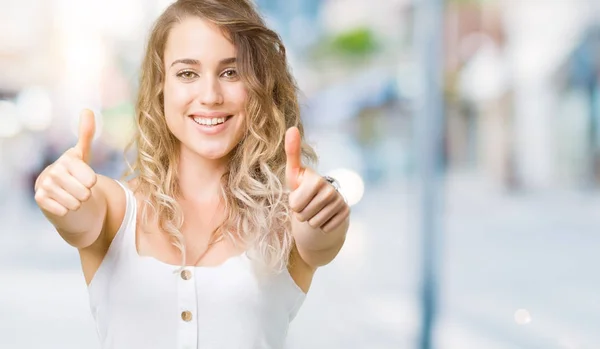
213	155
216	153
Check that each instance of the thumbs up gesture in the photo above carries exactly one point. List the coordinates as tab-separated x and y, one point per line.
64	185
312	198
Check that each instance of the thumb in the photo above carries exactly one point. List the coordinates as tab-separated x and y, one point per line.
87	128
293	168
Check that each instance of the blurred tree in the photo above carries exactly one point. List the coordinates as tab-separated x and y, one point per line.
355	43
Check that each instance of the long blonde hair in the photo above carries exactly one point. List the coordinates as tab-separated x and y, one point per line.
253	188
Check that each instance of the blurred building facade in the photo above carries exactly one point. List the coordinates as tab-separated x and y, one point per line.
520	79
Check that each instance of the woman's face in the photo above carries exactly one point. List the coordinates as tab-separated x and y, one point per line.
204	98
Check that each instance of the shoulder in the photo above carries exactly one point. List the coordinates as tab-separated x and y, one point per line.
116	205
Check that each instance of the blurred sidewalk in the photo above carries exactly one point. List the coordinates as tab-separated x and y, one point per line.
502	252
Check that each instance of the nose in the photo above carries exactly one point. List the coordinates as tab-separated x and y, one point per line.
210	92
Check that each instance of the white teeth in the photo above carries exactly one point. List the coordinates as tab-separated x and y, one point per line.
209	122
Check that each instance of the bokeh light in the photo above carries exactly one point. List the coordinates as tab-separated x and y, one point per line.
35	108
352	186
522	317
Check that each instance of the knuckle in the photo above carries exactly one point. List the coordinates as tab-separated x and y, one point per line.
47	182
93	179
331	192
62	211
57	170
39	196
64	158
72	205
42	178
87	178
293	203
87	195
298	216
323	181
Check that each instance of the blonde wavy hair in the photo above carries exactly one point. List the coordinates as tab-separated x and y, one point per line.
253	188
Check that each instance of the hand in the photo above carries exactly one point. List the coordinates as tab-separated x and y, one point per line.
312	198
63	186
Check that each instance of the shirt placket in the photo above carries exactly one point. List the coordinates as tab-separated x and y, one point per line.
188	305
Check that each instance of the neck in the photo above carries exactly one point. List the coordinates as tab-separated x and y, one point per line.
200	178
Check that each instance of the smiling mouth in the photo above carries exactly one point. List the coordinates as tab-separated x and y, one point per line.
211	121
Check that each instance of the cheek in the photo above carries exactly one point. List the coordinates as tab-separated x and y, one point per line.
237	95
176	96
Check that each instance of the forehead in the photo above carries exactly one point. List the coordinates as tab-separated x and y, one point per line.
198	39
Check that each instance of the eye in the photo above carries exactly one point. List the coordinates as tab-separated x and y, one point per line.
187	75
230	74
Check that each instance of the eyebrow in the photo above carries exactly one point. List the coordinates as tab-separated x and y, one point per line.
191	61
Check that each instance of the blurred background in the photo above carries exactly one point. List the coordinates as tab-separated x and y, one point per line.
515	195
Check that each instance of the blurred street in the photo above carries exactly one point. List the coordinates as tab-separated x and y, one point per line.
501	252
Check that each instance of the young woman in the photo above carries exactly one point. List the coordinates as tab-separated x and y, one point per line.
215	240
